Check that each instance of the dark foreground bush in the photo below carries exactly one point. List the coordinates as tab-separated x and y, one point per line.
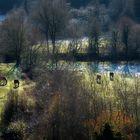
15	116
108	134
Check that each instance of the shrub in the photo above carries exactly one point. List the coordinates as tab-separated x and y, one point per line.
15	131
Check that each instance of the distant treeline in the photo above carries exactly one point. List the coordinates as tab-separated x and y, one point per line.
6	5
79	3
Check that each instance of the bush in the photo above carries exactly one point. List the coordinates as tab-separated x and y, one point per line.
108	134
15	131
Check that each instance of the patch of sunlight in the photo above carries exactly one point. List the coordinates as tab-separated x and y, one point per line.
107	89
11	73
63	46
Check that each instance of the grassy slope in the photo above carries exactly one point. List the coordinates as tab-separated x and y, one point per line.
8	71
107	90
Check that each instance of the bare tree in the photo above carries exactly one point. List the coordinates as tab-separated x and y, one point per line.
50	15
114	41
134	42
94	32
13	35
75	33
125	25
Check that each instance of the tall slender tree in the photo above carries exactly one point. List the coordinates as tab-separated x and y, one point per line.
51	15
13	34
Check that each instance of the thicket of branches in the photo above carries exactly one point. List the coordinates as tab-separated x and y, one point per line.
66	106
42	22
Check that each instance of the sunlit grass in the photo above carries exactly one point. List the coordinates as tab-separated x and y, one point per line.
111	92
107	90
63	46
7	70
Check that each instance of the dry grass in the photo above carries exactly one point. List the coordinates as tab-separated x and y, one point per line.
24	85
